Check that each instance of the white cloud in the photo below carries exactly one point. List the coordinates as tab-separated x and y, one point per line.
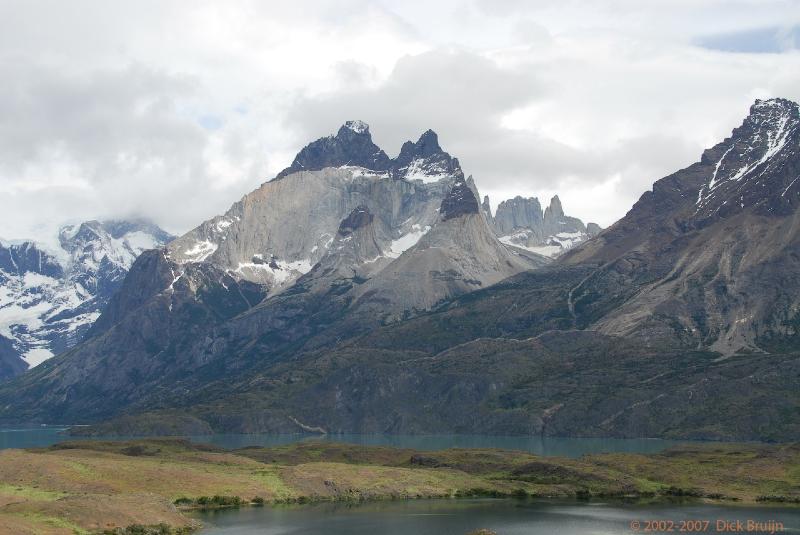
173	110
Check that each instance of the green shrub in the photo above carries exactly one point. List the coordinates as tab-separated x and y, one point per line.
679	492
218	501
778	499
520	494
139	529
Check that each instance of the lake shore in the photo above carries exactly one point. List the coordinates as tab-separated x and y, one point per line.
87	486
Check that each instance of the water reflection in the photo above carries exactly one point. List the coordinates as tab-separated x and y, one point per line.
459	517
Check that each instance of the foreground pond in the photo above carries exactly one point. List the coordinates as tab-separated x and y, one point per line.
34	437
506	517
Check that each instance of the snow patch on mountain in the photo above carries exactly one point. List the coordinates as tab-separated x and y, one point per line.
555	245
200	251
407	241
359	127
360	172
420	169
276	271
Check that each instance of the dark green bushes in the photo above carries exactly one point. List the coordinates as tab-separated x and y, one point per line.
212	502
158	529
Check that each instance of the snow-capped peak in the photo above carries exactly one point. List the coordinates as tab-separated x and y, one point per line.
50	295
738	166
359	127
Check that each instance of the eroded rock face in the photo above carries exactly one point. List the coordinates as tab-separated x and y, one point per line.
458	255
518	213
295	220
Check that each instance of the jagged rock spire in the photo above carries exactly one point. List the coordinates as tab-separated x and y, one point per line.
486	206
352	146
554	211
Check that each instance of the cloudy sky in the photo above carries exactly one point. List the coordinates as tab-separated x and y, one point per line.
172	110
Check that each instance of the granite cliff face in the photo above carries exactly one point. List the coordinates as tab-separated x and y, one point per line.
279	232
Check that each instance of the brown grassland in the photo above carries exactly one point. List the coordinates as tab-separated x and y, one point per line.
88	487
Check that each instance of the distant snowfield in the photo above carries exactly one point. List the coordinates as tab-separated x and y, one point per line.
40	312
556	244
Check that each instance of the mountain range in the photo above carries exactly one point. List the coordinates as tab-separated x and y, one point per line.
50	296
360	293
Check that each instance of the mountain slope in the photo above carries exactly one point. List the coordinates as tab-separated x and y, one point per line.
458	255
11	363
48	300
709	257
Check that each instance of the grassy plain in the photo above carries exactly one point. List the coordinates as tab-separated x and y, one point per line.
88	487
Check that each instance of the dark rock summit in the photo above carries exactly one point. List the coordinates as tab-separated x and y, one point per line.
459	201
352	145
424	159
756	167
